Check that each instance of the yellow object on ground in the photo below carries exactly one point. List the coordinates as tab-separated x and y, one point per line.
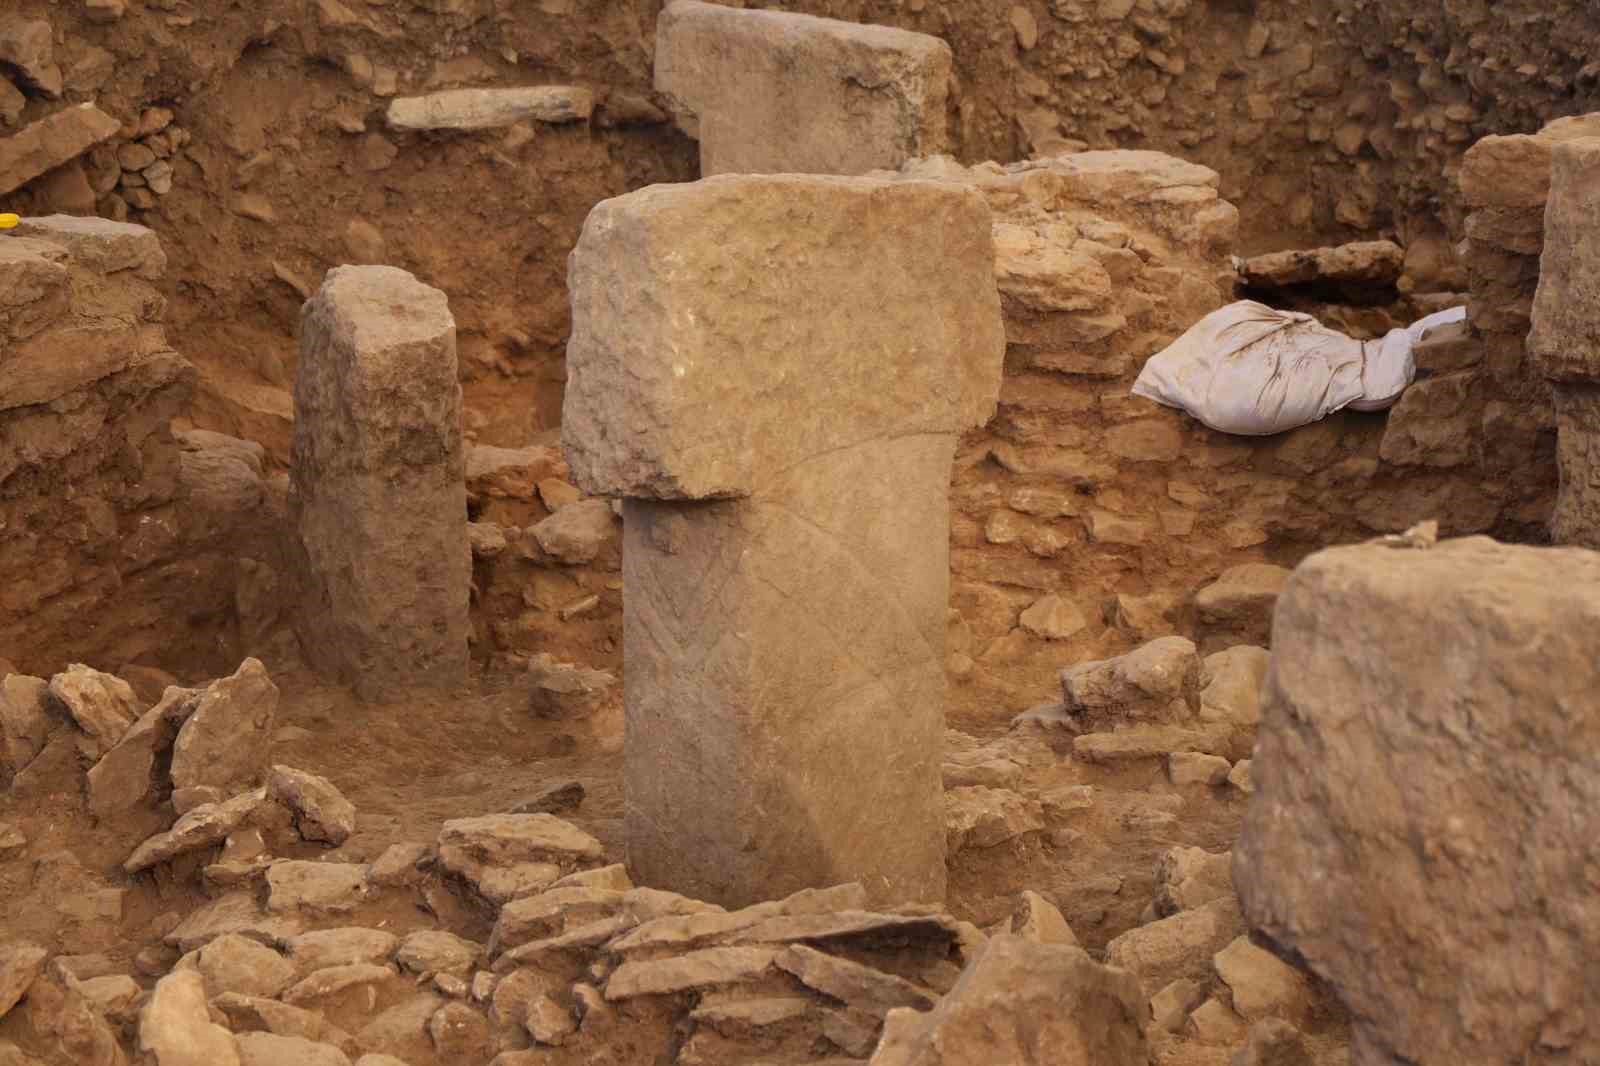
9	221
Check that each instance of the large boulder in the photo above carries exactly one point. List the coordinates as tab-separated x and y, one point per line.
1426	820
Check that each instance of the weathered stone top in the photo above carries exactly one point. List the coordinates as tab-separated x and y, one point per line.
76	306
1513	171
1565	339
476	109
770	91
374	308
732	328
1177	198
100	244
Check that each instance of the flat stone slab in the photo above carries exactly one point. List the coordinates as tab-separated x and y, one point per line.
769	92
53	140
478	109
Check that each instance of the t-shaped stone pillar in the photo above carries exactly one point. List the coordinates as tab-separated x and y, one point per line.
767	92
378	496
1565	340
774	371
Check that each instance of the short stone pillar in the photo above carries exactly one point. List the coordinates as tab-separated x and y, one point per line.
377	490
774	371
766	92
1565	341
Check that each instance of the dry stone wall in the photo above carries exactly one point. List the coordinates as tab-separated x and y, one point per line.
257	141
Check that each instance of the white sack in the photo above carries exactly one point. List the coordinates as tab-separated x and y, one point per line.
1251	370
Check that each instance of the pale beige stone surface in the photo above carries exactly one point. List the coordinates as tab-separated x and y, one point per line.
1425	785
378	497
771	92
754	364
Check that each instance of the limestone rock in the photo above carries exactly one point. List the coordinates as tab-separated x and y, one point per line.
1274	1042
977	817
46	144
104	707
25	720
777	544
316	887
331	980
1170	1007
477	109
436	951
706	968
1180	946
233	963
1187	878
205	825
577	534
807	95
1053	618
377	440
1364	263
28	47
459	1033
525	919
1230	692
340	947
1196	768
467	845
249	1013
671	456
1400	677
860	987
1240	777
1237	607
20	963
268	1049
176	1028
1263	985
1153	682
236	912
1025	1004
321	811
1565	338
223	744
558	799
124	776
509	473
1215	1023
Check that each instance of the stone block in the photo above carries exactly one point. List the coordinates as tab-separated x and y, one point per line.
377	490
753	364
1426	749
53	140
771	92
1565	339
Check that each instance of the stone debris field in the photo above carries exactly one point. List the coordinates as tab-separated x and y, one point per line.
611	532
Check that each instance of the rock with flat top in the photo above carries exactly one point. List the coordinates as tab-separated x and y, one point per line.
176	1029
772	92
1156	682
1425	785
103	706
1180	946
479	109
223	745
56	139
1024	1004
269	1049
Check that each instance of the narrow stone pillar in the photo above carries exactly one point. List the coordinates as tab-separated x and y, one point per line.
377	492
768	92
1565	340
774	371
